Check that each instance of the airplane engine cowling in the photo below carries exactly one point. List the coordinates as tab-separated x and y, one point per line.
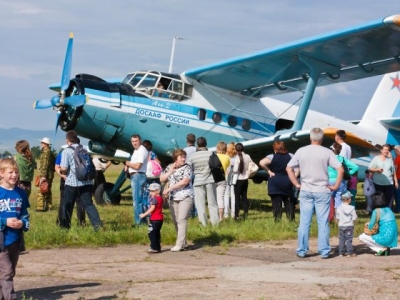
101	148
70	115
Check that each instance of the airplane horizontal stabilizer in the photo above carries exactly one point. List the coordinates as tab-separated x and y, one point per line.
392	122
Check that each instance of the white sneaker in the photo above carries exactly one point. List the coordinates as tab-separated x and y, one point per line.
176	249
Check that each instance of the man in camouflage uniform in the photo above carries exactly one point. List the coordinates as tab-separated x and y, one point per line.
46	171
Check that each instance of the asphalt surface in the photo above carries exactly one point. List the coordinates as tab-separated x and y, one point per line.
249	271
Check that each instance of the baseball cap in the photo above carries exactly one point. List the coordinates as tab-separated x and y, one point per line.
154	187
347	195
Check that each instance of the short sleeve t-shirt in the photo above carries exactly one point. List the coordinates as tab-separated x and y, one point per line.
313	161
346	151
386	177
139	156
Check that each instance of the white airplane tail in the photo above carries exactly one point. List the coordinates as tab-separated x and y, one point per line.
382	116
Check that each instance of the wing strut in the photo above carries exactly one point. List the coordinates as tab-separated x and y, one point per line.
316	68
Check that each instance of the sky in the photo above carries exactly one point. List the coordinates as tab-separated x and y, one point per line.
113	38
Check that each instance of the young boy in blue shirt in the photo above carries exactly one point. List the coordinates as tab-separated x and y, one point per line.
14	218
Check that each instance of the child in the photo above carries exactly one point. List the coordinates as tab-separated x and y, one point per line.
345	216
369	189
14	218
156	217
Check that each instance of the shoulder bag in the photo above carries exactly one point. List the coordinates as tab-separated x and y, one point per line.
253	168
375	228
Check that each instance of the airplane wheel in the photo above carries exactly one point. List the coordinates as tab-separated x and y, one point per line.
101	197
257	180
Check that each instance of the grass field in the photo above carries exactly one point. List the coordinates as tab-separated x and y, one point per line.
118	221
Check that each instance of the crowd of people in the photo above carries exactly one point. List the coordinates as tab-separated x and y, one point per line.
323	180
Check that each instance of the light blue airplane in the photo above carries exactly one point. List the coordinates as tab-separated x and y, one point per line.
229	100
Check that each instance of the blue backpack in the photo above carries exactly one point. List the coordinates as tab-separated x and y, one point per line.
84	167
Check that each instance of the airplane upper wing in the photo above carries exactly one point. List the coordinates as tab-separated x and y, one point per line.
259	148
363	51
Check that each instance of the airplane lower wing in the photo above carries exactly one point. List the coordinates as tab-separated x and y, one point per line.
259	148
354	53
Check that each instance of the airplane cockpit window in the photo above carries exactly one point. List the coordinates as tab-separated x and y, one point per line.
136	78
148	81
128	78
188	89
175	90
158	85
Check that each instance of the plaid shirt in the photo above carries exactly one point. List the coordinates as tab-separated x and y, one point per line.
67	162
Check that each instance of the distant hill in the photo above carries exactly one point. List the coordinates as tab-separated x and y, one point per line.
8	138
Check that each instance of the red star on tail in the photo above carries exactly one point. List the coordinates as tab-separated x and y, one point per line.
396	82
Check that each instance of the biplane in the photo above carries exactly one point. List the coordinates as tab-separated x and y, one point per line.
231	100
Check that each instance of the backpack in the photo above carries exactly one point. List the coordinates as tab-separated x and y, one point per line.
84	167
346	174
217	171
153	168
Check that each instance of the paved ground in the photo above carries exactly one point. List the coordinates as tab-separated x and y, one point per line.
251	271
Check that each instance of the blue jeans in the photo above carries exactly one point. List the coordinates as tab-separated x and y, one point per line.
337	195
310	202
138	181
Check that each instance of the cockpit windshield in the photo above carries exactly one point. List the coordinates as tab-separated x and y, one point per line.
159	85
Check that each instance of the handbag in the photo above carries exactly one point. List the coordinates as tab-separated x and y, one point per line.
253	168
375	228
44	186
234	178
37	180
153	169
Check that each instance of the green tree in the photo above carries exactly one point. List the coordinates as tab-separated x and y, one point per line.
7	154
36	151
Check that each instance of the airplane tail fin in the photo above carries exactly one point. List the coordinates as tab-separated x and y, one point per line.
382	115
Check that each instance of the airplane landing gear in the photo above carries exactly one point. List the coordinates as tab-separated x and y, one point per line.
103	194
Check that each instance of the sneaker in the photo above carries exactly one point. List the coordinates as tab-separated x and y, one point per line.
176	249
341	255
301	255
153	251
352	255
326	256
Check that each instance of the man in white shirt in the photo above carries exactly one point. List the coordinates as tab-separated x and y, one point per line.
346	149
137	167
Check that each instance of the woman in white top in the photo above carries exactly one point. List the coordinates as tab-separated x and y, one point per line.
241	167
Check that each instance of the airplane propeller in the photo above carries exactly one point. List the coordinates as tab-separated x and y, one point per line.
61	100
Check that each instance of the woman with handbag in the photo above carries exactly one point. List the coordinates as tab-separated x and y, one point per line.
380	233
179	175
384	178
